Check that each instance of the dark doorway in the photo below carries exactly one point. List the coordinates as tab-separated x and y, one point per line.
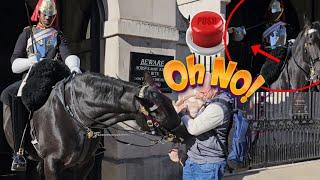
82	23
308	7
13	20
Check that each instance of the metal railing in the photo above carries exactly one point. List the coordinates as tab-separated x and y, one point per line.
285	128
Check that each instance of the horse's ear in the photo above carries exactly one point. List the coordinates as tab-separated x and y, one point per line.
307	21
148	79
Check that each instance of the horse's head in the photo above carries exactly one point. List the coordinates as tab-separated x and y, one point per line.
312	48
308	45
158	110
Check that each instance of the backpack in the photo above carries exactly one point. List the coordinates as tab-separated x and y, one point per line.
239	137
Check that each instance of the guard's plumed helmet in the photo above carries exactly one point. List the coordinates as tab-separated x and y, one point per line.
275	11
48	7
275	6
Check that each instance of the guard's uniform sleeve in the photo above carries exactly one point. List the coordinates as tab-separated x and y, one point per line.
63	46
211	117
21	45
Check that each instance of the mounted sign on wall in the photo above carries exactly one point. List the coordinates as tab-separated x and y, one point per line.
152	63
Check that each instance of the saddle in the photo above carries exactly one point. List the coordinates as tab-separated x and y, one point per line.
42	78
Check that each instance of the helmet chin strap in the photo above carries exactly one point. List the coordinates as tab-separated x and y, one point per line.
279	16
50	25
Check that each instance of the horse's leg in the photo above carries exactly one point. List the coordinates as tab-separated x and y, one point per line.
7	125
32	172
40	169
84	170
50	169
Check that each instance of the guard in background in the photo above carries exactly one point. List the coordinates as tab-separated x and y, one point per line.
274	39
34	44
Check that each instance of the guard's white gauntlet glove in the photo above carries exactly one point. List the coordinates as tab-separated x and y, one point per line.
73	63
20	65
76	70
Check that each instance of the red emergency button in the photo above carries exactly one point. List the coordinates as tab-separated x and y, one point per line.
207	29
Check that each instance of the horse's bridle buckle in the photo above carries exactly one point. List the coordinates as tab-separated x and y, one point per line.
171	137
142	109
150	123
90	134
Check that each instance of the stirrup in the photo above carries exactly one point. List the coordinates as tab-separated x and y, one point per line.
19	163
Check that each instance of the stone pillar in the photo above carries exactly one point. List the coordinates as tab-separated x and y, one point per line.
144	26
192	7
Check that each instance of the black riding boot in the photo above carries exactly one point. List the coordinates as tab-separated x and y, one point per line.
19	119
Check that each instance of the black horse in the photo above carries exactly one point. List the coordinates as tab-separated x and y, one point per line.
303	67
63	129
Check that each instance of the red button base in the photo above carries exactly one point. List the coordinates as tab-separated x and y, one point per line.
207	29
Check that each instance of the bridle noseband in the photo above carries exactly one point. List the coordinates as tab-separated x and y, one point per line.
313	75
152	123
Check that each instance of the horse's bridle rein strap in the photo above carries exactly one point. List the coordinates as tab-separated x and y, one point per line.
142	109
311	76
69	109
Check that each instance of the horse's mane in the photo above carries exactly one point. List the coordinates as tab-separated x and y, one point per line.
297	40
316	25
105	82
104	88
300	36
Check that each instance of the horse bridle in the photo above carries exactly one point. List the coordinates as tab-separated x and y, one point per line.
151	122
312	76
142	109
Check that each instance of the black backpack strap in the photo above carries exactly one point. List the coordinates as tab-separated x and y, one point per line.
229	105
223	147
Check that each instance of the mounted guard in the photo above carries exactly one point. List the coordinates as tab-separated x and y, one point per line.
274	39
35	43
